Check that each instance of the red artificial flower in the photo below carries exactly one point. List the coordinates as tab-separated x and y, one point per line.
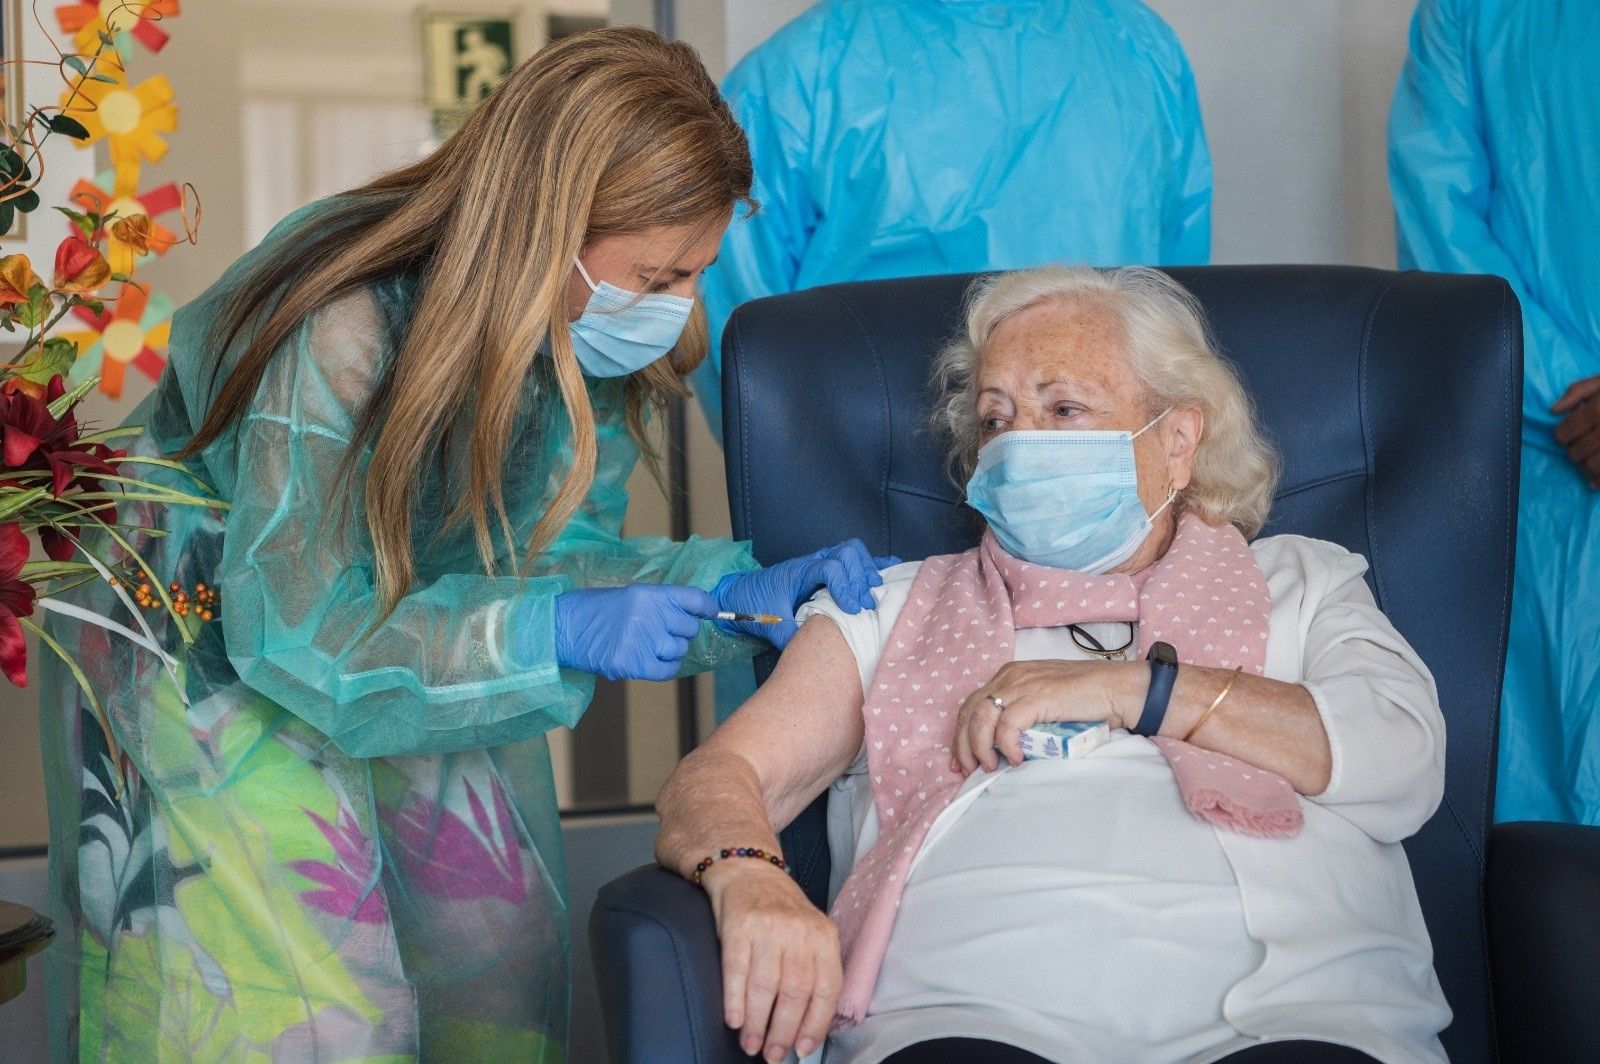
34	439
80	267
16	600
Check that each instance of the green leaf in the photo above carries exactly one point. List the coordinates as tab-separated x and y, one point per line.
105	79
60	351
86	223
10	161
61	405
67	126
121	432
37	308
182	470
34	572
13	501
8	216
165	496
77	64
54	359
77	674
27	202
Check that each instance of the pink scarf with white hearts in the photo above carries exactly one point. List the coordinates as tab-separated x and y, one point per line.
1206	596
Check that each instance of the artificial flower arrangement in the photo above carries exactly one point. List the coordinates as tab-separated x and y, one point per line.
61	483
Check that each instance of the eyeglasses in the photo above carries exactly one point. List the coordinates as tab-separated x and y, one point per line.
1090	644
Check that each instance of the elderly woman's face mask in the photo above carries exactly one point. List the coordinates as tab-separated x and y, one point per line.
1064	499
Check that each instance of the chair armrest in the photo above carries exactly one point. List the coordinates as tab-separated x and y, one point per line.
659	971
1544	940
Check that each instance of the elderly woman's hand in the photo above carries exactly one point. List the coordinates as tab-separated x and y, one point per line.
781	971
1025	693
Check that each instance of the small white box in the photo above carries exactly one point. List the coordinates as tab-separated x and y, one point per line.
1054	740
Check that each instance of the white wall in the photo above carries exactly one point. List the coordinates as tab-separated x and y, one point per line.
1295	95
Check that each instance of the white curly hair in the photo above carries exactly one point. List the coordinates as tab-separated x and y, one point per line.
1166	343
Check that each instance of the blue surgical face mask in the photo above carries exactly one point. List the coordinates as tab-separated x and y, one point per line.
1063	498
622	332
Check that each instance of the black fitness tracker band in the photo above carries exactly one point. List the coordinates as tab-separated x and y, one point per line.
1163	660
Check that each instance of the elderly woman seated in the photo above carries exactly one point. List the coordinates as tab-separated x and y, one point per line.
1223	873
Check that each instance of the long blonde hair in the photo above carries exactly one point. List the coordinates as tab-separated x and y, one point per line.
604	133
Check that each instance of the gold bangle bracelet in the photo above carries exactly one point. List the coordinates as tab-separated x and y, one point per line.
1213	708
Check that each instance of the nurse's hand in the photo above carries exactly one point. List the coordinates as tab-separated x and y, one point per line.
848	571
1579	431
781	970
637	632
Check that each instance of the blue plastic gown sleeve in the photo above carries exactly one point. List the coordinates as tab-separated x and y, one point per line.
761	254
1186	221
1442	178
298	592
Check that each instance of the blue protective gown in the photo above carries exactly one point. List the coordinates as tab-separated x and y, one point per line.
1494	152
898	138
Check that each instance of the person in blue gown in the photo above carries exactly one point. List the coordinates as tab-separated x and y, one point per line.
1494	147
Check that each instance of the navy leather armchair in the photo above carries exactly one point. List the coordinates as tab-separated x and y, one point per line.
1394	398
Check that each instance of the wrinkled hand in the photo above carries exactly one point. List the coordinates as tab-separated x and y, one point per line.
1037	691
848	571
781	970
1579	431
637	632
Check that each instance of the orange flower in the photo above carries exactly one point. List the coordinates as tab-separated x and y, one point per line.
105	197
79	266
129	118
137	231
16	280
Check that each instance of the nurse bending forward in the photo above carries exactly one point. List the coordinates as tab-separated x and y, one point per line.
331	832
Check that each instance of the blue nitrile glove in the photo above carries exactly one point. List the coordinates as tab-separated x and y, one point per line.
637	632
848	571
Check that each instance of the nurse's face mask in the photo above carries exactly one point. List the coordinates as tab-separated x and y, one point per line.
1064	498
621	332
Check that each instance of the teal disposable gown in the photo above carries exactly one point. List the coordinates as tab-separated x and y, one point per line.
1494	152
324	847
897	138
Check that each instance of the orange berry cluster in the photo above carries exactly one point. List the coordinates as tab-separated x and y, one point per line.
203	603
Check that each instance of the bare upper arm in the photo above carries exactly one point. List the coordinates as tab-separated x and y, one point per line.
803	727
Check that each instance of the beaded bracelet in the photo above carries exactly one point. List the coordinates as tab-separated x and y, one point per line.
738	851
